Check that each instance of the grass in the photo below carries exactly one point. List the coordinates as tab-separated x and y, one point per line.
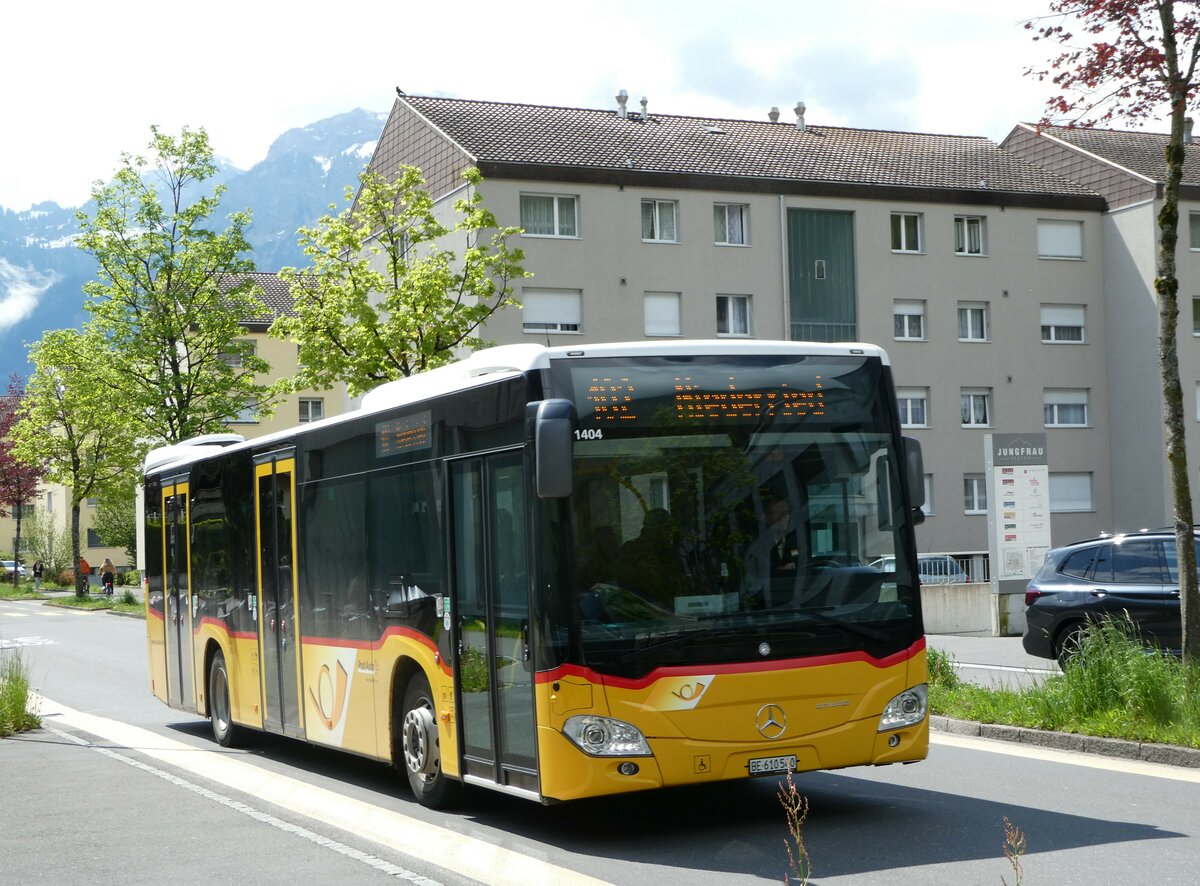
125	602
1113	687
15	715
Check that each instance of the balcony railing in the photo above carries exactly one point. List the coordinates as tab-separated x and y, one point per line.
826	332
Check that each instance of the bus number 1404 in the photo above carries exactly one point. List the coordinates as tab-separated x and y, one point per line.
589	434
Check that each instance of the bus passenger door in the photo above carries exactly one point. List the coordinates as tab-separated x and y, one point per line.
279	643
180	669
491	600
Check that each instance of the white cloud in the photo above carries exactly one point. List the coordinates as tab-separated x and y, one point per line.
20	290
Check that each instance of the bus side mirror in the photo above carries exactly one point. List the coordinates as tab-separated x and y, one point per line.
914	469
554	448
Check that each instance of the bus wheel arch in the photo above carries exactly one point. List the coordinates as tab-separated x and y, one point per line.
416	745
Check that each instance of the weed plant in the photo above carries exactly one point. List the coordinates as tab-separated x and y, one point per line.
15	715
1113	686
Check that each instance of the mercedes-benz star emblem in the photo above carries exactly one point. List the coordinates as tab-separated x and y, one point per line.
771	721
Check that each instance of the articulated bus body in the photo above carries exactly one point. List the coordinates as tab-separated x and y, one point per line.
558	573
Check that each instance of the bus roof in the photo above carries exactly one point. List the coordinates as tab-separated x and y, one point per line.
489	365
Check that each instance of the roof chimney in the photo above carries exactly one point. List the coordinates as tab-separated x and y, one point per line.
773	115
645	113
622	98
800	124
1187	130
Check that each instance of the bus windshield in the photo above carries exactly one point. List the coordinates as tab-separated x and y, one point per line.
735	508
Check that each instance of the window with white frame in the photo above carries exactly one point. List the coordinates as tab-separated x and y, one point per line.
1057	238
913	404
731	224
908	319
247	415
1062	324
658	221
551	310
906	232
549	215
976	407
972	321
1070	492
311	409
974	494
1194	230
969	231
235	359
1066	407
927	508
733	315
662	313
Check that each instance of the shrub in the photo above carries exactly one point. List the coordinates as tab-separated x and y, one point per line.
942	673
65	577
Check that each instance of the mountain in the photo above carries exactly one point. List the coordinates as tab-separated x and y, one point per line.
306	169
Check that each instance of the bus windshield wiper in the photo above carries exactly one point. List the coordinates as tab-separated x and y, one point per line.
853	627
660	643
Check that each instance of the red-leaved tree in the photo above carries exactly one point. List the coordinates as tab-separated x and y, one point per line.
18	481
1128	61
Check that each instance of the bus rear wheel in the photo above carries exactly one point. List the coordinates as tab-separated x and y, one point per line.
420	747
219	711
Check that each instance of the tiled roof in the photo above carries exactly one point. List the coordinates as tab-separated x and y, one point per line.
753	149
273	292
1143	153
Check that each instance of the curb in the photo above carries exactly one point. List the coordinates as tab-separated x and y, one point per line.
1147	752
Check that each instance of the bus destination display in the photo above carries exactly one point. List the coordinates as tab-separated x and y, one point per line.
692	399
399	435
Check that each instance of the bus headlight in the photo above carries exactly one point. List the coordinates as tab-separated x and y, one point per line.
906	709
606	737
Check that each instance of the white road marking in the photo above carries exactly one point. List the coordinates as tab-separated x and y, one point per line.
1008	668
467	856
18	642
1068	758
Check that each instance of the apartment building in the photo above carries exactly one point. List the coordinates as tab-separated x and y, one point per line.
980	272
1127	169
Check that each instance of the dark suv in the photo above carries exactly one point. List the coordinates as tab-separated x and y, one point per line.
1132	575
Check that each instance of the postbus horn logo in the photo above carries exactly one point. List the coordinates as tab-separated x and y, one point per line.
771	721
331	695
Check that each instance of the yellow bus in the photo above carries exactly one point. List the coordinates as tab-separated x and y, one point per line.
559	572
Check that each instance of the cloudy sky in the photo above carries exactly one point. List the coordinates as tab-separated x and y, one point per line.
83	81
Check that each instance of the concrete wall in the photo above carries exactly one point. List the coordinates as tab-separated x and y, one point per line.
972	609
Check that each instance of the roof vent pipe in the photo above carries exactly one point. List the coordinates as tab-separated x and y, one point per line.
773	114
645	113
622	98
800	124
1187	130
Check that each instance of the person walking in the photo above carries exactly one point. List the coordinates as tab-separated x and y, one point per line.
38	569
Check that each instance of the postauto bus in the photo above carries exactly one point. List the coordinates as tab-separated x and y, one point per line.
558	572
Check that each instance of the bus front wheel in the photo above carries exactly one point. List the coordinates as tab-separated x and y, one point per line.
224	731
421	747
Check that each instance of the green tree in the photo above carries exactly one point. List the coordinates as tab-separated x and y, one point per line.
384	296
116	518
70	424
1129	60
49	543
170	292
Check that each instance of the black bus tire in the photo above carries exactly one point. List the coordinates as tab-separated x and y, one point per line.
219	710
419	747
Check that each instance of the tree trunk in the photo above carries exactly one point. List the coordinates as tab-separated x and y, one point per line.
80	578
1166	285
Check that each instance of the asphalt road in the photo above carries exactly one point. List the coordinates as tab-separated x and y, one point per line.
119	788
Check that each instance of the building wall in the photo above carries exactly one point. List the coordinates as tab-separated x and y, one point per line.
613	269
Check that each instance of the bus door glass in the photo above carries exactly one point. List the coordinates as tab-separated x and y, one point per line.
180	669
277	598
491	588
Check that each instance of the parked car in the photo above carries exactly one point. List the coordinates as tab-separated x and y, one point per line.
1133	575
932	569
9	566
